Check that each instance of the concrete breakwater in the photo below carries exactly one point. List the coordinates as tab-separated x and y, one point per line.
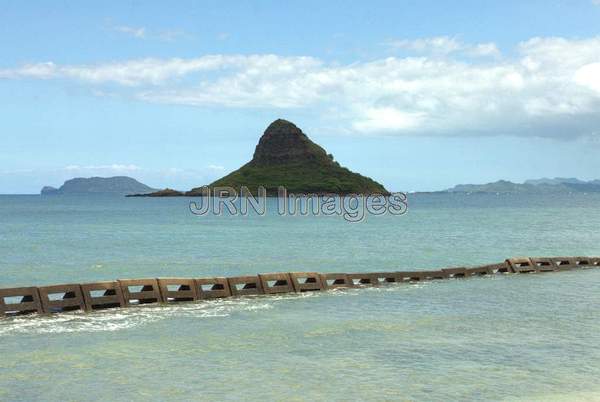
134	292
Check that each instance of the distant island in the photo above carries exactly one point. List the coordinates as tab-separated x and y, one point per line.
285	156
118	185
541	186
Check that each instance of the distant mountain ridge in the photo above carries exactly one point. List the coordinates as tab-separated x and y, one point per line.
118	185
542	186
560	180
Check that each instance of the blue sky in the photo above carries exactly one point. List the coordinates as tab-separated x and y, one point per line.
419	95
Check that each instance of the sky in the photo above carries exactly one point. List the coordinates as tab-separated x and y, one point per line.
419	95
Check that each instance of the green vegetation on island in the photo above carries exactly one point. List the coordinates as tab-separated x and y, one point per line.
286	157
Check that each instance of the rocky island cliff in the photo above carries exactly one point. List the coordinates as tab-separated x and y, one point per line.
285	156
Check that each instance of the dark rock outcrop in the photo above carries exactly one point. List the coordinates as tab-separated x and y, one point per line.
167	192
284	143
285	156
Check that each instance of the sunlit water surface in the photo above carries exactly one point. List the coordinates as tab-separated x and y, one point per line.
507	337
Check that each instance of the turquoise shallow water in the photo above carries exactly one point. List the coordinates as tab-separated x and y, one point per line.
529	337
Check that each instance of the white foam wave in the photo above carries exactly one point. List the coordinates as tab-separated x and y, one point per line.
124	318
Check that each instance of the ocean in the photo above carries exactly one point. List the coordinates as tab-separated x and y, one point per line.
506	337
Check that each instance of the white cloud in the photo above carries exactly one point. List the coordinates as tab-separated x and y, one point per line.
115	168
167	35
139	33
438	44
483	50
550	87
589	76
387	119
157	71
39	70
443	46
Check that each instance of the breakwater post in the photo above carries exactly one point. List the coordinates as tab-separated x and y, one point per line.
133	292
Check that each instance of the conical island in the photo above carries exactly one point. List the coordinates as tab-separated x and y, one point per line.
285	156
